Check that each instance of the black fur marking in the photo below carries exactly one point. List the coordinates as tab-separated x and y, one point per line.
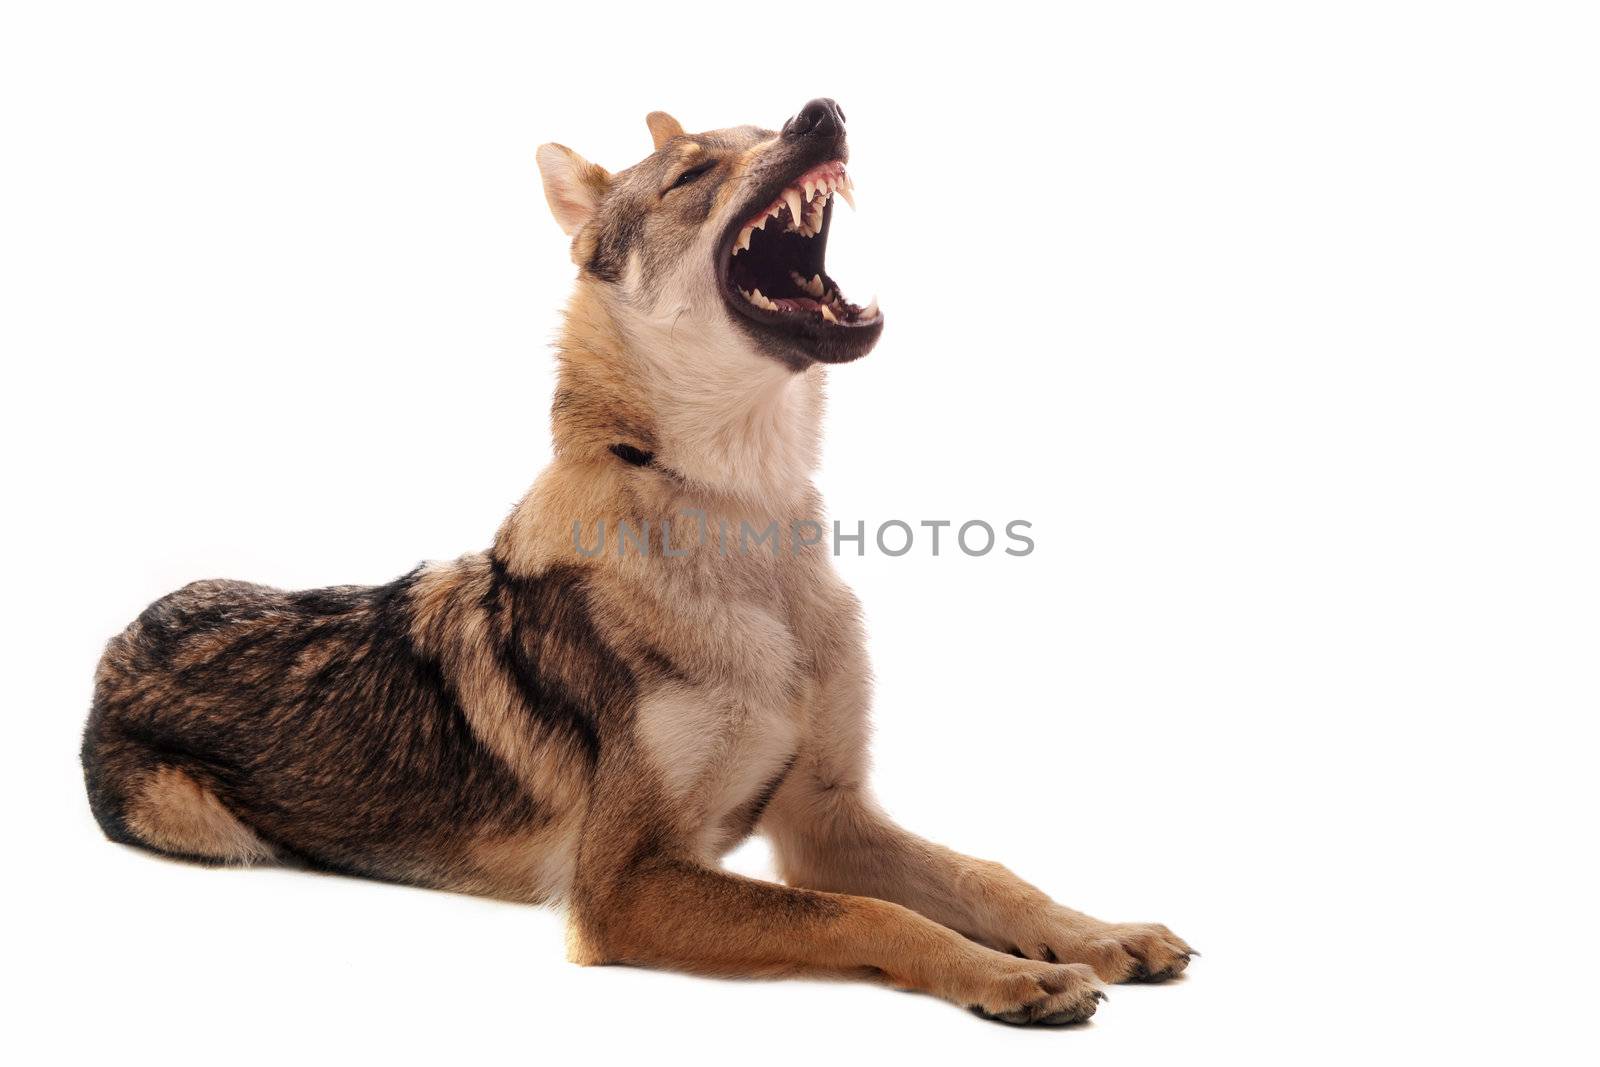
543	632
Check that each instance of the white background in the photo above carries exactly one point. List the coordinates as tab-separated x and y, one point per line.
1279	322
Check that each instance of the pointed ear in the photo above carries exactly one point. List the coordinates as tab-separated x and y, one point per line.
573	186
663	127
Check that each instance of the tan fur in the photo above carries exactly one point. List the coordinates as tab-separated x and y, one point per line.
183	816
530	868
573	186
663	127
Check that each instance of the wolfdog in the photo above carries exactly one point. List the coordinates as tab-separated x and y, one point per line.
598	729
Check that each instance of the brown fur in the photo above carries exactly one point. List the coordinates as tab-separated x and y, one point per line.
536	724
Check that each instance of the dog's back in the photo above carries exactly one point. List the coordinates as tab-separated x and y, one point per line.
233	721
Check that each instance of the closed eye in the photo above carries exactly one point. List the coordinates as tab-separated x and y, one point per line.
688	176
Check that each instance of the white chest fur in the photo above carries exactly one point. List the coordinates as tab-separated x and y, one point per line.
729	722
717	746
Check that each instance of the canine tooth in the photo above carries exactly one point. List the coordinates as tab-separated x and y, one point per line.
743	243
844	191
871	310
827	314
812	287
791	196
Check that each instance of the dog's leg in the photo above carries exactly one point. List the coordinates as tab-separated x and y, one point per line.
641	897
153	800
831	836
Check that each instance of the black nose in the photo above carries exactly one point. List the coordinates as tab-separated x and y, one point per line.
820	118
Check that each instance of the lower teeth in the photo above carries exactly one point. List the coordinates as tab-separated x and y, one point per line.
811	288
830	309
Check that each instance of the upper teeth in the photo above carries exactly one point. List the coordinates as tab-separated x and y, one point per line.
804	201
791	196
801	207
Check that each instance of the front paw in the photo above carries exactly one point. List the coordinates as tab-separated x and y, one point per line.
1145	952
1118	952
1027	993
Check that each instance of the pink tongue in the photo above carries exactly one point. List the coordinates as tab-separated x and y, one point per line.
797	303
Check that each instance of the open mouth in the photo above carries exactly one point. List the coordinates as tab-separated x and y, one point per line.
773	267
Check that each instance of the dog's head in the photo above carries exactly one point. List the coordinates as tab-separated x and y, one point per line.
721	232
